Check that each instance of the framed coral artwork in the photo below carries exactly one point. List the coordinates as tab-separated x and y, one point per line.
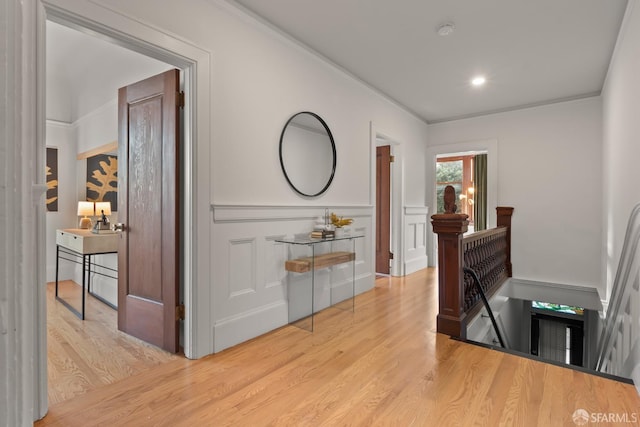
102	179
52	179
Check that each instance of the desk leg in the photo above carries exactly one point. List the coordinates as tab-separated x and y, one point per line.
84	260
353	276
89	276
57	265
313	280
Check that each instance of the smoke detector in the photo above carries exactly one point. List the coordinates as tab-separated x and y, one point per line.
445	29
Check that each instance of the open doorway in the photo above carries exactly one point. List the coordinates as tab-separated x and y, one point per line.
489	147
388	196
83	76
467	174
195	64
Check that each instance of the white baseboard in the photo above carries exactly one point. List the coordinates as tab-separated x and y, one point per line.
66	272
244	326
415	264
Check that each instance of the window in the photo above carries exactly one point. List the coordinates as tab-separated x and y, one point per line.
458	172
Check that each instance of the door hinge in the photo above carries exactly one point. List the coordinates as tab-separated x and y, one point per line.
390	255
180	99
180	312
392	159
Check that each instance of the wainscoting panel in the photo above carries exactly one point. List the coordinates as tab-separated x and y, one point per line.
242	267
415	243
275	258
249	281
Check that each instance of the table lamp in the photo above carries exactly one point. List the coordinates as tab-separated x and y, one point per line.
85	209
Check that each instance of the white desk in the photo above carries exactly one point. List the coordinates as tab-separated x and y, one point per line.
82	244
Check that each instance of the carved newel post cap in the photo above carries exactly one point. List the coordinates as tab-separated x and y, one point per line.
450	223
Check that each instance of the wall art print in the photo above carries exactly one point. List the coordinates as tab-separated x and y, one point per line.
102	179
52	179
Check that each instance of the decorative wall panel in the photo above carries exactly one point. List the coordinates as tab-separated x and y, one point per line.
102	179
242	267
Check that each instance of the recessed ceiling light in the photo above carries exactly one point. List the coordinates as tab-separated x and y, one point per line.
478	81
445	29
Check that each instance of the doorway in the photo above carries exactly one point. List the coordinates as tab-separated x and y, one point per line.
196	66
383	209
86	354
467	174
488	147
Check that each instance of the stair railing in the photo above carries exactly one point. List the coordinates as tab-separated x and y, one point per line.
476	281
487	252
623	314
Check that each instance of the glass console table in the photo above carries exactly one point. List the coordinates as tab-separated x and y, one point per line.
311	262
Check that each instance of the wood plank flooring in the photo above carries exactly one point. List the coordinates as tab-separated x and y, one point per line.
85	355
382	365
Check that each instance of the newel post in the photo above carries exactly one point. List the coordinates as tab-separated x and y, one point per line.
504	215
451	316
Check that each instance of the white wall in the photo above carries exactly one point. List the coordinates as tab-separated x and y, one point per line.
260	80
550	171
621	138
621	151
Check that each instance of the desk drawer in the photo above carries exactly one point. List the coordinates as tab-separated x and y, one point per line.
85	242
70	241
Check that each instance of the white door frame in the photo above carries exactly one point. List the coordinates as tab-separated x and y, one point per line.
102	22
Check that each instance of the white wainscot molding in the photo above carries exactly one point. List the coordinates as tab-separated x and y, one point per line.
416	222
248	278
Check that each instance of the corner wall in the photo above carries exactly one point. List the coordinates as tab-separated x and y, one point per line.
621	140
621	151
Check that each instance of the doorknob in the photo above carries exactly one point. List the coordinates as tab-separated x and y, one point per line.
118	227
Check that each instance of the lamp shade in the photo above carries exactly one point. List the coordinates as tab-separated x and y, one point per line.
85	208
103	207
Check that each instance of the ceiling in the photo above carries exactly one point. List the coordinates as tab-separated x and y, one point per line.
531	52
85	72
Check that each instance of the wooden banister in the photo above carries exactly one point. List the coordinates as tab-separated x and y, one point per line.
484	252
504	214
488	250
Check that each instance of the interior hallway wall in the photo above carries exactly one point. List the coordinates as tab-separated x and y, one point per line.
550	171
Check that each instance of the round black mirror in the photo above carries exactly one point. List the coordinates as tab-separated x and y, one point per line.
307	154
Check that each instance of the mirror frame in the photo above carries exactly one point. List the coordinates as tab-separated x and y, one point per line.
333	150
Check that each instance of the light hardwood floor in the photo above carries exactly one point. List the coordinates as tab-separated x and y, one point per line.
382	365
85	355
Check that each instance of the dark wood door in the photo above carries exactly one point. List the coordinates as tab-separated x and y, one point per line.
148	271
383	208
